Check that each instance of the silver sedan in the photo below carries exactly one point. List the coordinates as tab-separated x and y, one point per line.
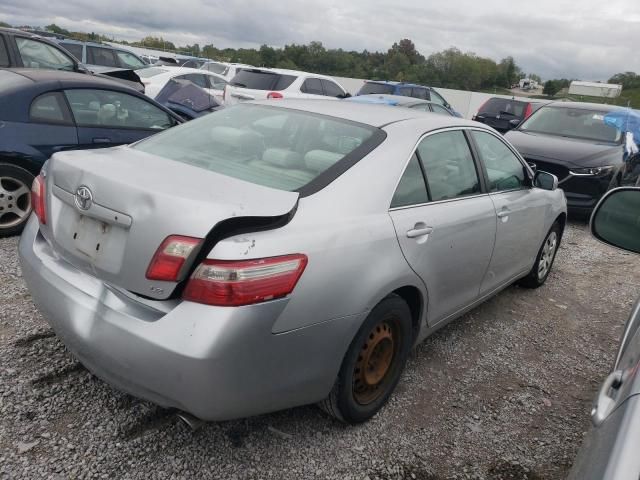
282	253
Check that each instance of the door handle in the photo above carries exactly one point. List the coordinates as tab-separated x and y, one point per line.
504	213
419	231
102	140
604	403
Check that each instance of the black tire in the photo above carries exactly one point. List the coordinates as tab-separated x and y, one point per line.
356	396
15	204
539	273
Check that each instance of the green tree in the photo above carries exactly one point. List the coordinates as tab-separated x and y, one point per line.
551	87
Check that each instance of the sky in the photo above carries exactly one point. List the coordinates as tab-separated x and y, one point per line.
587	39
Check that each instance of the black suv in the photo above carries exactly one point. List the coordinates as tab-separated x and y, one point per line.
503	114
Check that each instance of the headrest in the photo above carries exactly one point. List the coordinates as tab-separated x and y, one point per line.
320	160
244	141
283	157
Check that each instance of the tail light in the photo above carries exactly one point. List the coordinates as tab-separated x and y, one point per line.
38	197
274	95
244	282
170	257
528	111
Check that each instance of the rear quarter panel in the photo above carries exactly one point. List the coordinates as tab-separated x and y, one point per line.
349	238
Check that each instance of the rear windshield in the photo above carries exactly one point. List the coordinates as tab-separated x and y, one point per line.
573	123
261	80
150	72
503	106
271	146
376	88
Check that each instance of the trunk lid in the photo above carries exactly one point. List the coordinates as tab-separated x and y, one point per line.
133	201
233	95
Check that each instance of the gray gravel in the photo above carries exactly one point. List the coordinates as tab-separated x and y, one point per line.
502	393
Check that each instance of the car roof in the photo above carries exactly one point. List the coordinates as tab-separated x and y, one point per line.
374	115
390	82
284	71
45	76
584	105
387	99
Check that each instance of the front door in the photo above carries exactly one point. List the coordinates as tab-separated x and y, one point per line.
520	210
446	226
108	118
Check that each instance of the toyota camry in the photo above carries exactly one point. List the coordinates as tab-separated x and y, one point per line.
283	253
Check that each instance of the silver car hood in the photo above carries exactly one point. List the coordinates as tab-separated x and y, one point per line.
137	200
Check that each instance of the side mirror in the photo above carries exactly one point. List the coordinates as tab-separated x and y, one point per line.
616	219
514	123
545	180
80	68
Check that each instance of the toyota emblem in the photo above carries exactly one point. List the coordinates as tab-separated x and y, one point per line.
83	198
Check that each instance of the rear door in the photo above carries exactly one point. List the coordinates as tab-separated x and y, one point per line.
520	209
108	118
445	222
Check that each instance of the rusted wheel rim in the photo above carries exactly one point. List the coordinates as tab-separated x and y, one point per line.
374	363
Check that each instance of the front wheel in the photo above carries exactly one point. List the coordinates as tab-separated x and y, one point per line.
15	198
373	364
544	261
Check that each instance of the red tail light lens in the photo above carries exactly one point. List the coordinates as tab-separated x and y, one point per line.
170	257
528	111
274	95
234	283
38	192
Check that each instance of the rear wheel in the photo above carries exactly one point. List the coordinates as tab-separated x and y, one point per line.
373	364
544	261
15	198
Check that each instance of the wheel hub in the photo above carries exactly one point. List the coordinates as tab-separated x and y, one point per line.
374	362
15	202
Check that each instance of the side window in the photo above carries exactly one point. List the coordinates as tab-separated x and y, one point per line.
504	169
312	86
74	49
420	93
128	60
405	91
436	98
36	54
440	109
216	83
4	54
197	78
106	108
49	108
411	189
449	166
331	89
101	56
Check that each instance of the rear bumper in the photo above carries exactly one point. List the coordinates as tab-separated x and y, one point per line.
216	363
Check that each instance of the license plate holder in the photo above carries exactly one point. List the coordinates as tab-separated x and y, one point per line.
90	235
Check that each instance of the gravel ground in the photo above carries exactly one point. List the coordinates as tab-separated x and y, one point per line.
502	393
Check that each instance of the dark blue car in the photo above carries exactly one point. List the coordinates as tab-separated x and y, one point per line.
403	89
45	111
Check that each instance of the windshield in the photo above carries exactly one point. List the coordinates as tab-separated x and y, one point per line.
573	123
275	147
215	67
380	88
